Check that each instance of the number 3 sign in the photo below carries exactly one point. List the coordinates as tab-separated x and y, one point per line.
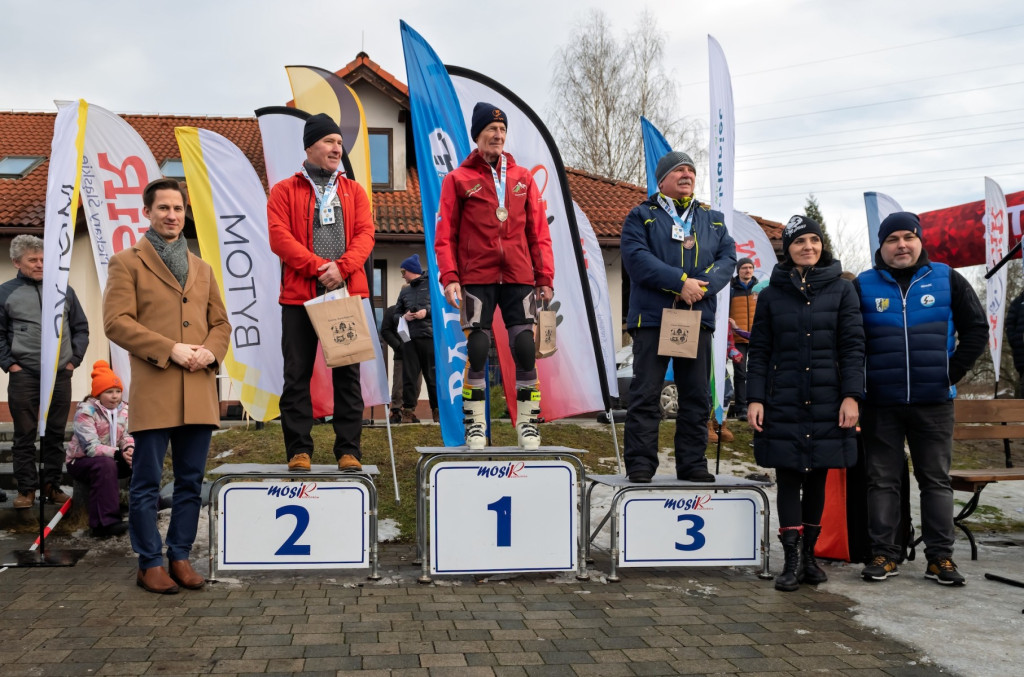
294	525
495	516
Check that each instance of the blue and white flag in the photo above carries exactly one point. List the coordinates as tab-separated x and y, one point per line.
441	142
878	206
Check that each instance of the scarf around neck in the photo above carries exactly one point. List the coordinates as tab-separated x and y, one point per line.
173	254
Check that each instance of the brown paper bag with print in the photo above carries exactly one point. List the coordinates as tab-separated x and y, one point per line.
341	327
546	343
680	331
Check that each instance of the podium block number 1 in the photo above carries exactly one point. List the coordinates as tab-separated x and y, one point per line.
491	516
503	509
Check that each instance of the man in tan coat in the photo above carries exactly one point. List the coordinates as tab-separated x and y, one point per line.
163	306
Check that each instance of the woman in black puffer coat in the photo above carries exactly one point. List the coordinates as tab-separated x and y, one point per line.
805	371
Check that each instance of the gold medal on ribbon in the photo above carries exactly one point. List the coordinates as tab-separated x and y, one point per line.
501	213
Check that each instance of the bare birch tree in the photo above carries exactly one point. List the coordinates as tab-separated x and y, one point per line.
603	85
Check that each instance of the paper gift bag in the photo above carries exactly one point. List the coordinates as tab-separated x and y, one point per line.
680	333
403	330
546	343
340	324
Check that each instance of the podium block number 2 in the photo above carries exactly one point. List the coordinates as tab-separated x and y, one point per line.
503	510
290	546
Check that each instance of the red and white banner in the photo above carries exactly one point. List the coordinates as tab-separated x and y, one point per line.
951	234
569	379
116	166
63	184
996	247
722	161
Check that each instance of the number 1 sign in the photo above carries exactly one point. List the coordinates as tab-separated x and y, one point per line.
294	525
495	516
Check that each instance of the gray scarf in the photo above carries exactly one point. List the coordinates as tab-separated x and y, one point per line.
173	254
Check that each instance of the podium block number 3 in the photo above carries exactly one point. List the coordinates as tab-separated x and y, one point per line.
697	540
290	546
503	511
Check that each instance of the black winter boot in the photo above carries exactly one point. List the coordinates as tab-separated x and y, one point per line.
788	580
811	572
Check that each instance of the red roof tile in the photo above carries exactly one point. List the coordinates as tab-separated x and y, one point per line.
398	214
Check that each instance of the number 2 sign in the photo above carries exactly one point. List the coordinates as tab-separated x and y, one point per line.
496	516
293	525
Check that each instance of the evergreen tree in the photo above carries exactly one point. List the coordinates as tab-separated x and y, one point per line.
812	210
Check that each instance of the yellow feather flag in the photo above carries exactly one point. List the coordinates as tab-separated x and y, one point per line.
320	91
230	211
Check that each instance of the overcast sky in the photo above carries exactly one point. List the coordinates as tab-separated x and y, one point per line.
916	99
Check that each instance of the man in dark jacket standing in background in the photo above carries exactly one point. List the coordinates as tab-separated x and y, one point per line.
1015	336
924	328
389	335
742	304
418	352
674	249
21	336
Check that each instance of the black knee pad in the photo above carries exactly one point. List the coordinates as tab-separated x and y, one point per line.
524	349
478	344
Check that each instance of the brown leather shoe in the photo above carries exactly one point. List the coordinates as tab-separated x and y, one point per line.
726	434
155	579
184	575
350	463
54	494
299	463
25	499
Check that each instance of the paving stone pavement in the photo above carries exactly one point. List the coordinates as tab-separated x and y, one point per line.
92	620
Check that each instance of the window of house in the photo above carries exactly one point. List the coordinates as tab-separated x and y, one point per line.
17	166
380	158
173	168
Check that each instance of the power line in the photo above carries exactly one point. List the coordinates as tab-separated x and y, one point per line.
889	126
878	86
858	54
944	134
881	103
882	176
878	155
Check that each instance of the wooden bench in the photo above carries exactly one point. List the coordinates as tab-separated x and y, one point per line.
985	420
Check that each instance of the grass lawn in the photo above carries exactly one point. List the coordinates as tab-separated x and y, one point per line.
267	446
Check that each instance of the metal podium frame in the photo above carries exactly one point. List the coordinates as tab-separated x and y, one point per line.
621	486
235	472
429	456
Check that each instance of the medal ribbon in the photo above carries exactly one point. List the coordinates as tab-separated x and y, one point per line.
327	194
685	221
499	186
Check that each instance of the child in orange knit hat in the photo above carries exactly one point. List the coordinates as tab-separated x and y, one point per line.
100	452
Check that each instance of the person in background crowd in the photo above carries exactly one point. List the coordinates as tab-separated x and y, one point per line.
100	451
494	251
21	337
806	372
418	352
389	335
1014	328
743	303
674	249
321	227
925	328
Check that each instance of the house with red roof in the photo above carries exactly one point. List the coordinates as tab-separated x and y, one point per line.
25	139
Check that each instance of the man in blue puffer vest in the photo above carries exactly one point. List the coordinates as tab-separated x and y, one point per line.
925	328
674	249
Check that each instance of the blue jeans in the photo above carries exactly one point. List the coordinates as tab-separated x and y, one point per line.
190	445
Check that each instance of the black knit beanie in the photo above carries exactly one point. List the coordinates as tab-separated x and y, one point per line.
317	127
484	114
